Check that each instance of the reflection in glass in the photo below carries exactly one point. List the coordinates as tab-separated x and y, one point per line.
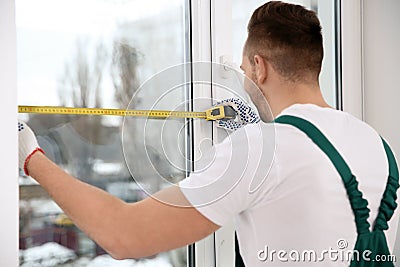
93	53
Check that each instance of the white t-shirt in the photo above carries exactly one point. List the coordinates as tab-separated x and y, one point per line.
287	200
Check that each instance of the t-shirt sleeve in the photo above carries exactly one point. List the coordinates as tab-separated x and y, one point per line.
231	175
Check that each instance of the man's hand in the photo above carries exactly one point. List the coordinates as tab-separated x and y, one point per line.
245	114
27	145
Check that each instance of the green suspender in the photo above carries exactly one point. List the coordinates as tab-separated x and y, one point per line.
374	241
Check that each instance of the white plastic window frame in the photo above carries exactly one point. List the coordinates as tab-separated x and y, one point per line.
9	181
352	94
202	254
218	248
222	50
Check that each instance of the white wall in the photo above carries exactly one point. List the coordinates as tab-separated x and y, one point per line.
8	140
382	67
381	42
352	89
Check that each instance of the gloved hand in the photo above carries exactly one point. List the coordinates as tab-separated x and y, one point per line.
27	145
245	114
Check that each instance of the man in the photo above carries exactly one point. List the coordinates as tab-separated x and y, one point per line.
282	191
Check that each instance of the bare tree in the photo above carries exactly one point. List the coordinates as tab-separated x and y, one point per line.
125	60
82	78
80	86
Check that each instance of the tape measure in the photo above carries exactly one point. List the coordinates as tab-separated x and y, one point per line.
212	114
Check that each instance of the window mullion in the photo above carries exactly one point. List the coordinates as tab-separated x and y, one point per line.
204	252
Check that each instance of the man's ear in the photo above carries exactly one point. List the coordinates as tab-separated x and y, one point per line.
260	69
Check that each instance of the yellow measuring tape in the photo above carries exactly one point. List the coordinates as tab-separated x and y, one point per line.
215	113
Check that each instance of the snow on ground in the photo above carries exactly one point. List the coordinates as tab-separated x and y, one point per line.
54	255
46	255
43	207
27	180
106	261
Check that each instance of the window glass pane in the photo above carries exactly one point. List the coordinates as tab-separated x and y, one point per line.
95	53
242	11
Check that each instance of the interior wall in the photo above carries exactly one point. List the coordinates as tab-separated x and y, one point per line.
381	73
8	140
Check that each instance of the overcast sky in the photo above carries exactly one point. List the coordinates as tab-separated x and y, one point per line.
47	31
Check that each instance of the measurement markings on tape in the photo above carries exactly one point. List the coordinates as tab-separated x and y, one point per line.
214	113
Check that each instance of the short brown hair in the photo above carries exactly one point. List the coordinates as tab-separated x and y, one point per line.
289	37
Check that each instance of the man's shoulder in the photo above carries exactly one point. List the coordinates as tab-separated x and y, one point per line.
328	120
341	128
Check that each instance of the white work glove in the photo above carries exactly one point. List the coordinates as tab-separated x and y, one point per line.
27	145
245	114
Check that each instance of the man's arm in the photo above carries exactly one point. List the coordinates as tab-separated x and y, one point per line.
124	230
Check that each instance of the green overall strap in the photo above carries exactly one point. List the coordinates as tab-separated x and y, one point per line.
388	202
375	241
358	204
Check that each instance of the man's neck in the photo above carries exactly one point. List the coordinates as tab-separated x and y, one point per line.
290	94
